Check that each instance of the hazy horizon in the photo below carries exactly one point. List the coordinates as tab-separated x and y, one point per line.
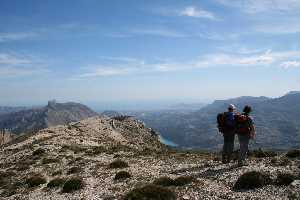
147	51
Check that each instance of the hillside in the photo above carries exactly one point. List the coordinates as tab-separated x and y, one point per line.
277	121
9	109
81	161
32	120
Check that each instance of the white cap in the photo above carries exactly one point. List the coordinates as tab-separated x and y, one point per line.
231	107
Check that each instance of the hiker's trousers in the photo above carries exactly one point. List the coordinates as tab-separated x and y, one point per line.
244	143
228	143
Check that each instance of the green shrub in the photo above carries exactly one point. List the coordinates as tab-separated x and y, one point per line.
284	179
73	184
293	153
39	152
75	148
183	180
259	153
36	180
151	192
251	180
58	172
57	182
74	170
122	175
5	177
50	160
164	181
118	164
96	150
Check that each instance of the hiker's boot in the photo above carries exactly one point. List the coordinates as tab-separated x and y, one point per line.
242	163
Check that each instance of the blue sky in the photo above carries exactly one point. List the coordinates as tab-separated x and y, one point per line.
138	50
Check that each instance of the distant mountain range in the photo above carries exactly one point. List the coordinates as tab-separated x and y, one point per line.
9	109
277	121
32	120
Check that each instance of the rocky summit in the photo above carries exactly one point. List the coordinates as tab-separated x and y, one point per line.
119	158
32	120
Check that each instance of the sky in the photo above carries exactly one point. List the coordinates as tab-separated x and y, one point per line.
139	50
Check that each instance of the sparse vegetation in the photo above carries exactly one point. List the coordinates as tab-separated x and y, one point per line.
259	153
284	179
5	177
73	184
74	170
50	160
167	181
96	150
118	164
75	148
121	117
293	153
36	180
58	172
57	182
252	180
164	181
122	175
150	192
39	152
183	180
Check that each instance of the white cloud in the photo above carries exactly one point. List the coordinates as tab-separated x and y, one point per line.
6	37
7	59
127	66
259	6
106	71
288	27
159	32
11	71
193	11
290	64
13	65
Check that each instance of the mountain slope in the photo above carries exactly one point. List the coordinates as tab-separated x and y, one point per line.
8	109
96	149
277	121
32	120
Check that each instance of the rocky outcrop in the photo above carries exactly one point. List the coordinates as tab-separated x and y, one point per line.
32	120
81	160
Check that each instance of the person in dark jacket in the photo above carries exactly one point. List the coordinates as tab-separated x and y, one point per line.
245	133
229	134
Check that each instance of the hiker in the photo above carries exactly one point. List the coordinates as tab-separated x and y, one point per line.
226	125
245	130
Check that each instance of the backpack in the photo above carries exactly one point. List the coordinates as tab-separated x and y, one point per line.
224	122
243	124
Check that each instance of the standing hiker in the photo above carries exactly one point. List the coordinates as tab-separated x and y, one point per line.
227	126
245	130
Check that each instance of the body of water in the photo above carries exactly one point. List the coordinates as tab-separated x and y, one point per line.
167	142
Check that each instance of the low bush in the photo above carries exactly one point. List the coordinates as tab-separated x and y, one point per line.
74	170
39	152
259	153
36	180
50	160
183	180
293	153
57	182
150	192
284	179
164	181
122	175
252	180
96	150
58	172
73	184
118	164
